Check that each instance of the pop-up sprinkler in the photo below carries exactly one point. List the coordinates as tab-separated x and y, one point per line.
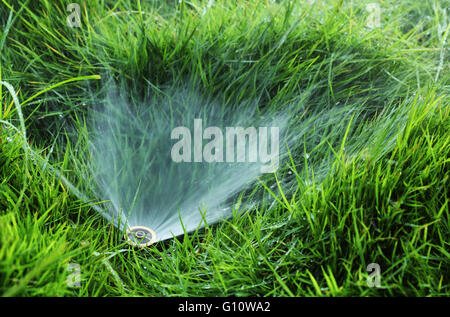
140	236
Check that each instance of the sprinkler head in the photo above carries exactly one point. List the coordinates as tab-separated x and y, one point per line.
140	236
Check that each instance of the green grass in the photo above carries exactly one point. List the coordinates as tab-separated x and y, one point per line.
371	189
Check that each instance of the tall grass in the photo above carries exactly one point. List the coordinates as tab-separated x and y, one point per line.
370	189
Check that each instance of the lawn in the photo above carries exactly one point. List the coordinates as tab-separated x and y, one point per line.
358	207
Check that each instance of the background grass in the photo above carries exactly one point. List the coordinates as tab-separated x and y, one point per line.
383	197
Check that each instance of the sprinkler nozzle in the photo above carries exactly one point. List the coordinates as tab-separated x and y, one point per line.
140	236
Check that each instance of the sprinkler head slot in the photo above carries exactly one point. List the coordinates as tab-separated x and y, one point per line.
140	236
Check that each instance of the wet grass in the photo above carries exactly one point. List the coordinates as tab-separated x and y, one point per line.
369	184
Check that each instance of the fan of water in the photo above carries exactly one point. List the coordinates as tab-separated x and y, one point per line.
174	161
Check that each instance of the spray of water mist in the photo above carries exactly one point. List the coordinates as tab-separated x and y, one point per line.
132	145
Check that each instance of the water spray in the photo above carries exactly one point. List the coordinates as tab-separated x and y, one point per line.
186	155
